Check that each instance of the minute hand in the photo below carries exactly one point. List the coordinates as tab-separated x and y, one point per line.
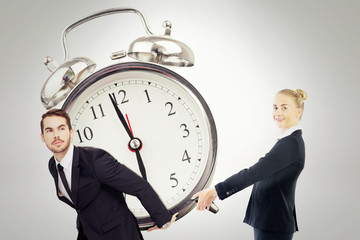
121	117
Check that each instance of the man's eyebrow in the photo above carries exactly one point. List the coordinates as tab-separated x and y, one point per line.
49	128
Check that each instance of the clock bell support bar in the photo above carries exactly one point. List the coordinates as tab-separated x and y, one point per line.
163	49
97	15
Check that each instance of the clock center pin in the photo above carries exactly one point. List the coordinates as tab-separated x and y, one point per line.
135	144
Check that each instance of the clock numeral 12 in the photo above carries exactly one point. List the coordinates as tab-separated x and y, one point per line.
87	132
124	100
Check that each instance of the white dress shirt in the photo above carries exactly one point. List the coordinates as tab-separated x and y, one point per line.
66	163
289	131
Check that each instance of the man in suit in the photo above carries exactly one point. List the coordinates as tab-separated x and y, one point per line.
92	182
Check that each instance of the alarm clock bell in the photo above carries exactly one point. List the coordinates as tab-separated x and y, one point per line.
160	49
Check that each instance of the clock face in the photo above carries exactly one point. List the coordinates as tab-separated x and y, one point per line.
165	113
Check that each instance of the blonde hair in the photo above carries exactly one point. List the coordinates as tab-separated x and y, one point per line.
298	95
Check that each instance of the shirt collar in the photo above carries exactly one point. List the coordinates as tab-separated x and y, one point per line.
66	162
290	131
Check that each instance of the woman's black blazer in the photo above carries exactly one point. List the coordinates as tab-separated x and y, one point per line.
272	202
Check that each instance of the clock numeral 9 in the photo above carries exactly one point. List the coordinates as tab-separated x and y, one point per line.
174	179
87	133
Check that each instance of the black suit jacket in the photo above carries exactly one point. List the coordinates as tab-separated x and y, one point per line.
272	203
98	184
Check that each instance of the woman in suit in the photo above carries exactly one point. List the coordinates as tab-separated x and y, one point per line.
271	209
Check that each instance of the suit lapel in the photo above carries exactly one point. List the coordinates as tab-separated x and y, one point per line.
55	175
75	174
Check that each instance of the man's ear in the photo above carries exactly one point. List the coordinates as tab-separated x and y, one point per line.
42	137
71	133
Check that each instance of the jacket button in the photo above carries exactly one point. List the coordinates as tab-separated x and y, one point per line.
78	210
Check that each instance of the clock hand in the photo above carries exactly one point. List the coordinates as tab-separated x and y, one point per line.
135	143
121	117
141	164
127	119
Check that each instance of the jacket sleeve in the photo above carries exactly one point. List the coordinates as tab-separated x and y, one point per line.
283	154
116	175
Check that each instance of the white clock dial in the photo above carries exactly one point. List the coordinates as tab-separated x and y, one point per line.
170	119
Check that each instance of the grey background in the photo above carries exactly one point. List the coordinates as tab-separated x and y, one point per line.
246	51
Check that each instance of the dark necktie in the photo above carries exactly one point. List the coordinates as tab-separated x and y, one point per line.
64	181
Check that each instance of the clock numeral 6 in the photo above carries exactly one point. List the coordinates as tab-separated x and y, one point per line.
174	179
87	133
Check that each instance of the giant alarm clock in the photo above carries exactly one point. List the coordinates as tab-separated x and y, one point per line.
148	117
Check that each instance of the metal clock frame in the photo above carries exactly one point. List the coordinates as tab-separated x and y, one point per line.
186	204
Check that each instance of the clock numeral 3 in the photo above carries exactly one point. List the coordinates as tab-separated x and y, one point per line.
171	112
186	157
186	130
174	179
87	133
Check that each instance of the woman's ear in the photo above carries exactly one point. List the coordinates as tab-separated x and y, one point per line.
300	111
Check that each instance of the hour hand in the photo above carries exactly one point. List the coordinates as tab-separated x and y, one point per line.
135	145
141	165
121	117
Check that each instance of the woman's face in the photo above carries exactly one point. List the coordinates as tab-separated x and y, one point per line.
285	112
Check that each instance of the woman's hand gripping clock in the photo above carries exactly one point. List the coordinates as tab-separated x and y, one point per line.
205	200
135	144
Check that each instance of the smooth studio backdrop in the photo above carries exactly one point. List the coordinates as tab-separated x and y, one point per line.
245	51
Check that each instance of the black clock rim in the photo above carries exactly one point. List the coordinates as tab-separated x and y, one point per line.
186	205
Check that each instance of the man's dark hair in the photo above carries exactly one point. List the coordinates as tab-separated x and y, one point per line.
55	112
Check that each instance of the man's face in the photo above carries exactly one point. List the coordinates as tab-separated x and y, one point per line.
56	135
